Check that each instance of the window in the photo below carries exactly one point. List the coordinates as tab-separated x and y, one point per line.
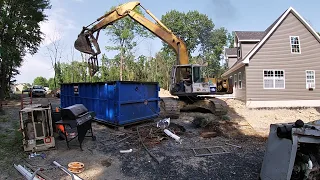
295	44
196	74
239	53
235	81
273	79
240	80
310	79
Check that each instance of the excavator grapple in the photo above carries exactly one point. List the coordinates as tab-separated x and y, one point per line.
83	44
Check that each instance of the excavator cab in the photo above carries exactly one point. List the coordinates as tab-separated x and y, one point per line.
188	80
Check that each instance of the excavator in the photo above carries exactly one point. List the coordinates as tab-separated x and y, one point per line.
187	80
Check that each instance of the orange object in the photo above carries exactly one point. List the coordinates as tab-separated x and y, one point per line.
57	109
60	127
76	167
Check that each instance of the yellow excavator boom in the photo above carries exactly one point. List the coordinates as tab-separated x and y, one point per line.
85	38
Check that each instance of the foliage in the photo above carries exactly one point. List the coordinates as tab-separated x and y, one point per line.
51	84
25	87
194	28
125	34
19	34
42	81
55	51
198	32
231	40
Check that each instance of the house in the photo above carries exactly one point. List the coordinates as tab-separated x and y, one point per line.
278	67
17	87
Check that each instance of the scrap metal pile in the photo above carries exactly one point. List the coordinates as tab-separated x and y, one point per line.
147	135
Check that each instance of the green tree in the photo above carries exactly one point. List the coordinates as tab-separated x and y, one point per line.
192	27
231	40
42	81
125	34
25	87
51	84
19	34
197	30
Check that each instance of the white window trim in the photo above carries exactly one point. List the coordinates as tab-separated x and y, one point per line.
235	81
239	80
314	75
291	45
274	86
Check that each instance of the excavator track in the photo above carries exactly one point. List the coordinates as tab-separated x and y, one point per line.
212	105
169	107
220	106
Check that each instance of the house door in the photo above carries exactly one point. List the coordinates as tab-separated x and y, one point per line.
230	90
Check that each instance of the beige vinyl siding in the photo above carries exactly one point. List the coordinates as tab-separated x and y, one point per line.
239	93
231	61
276	54
246	47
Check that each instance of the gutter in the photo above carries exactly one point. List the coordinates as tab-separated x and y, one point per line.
234	68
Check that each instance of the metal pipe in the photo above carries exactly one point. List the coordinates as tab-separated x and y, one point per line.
25	173
40	173
308	170
35	173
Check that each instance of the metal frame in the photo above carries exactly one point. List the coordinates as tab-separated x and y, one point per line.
211	153
280	155
47	128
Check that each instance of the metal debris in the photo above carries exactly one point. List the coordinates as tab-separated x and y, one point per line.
233	145
152	155
126	151
163	123
175	137
209	151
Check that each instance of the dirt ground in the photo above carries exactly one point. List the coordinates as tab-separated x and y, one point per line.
260	119
242	127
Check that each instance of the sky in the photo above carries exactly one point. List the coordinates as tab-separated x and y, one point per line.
67	17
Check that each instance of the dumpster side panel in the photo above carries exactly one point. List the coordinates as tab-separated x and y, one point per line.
118	103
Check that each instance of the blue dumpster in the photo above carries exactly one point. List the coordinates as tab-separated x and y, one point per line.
116	102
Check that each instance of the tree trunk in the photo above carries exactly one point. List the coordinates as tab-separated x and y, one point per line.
54	76
2	90
121	66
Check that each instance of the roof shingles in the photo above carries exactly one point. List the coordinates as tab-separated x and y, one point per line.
231	51
250	35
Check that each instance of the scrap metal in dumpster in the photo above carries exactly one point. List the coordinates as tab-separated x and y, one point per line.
116	102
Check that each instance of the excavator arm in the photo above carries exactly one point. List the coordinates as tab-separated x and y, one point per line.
86	38
171	107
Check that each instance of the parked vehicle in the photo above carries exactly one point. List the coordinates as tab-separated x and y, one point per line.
38	91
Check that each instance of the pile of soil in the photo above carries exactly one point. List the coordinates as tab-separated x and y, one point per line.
164	93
